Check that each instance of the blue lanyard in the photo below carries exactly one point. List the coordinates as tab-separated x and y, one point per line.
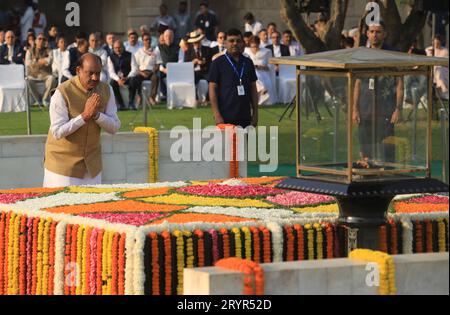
235	69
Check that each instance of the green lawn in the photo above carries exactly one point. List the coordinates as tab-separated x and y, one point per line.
163	119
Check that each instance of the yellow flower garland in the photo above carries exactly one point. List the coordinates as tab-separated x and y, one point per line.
386	268
109	255
180	199
248	243
153	152
331	208
11	242
39	257
45	256
310	238
319	240
189	249
180	260
237	242
79	259
441	235
83	261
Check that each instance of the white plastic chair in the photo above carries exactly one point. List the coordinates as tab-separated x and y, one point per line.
180	85
12	88
287	83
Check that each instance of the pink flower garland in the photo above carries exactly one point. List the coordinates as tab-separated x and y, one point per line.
93	262
429	199
230	191
295	198
215	249
12	198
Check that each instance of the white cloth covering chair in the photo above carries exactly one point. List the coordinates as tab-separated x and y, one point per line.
286	83
180	85
12	88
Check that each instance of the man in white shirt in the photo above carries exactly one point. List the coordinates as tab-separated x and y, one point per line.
73	148
94	48
146	60
219	46
59	54
122	68
251	25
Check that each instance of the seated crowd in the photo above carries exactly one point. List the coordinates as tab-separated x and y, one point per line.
50	58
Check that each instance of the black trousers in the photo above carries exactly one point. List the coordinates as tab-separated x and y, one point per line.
137	81
132	90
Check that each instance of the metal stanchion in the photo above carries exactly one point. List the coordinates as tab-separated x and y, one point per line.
27	101
445	148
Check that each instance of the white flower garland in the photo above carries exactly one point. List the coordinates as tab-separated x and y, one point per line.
277	241
139	267
60	246
252	213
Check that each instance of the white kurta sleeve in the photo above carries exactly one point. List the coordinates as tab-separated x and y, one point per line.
112	73
109	120
60	123
66	66
134	67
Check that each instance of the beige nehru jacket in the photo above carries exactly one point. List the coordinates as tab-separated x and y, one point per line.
79	152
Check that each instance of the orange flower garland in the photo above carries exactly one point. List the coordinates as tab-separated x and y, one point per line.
121	266
114	264
251	270
289	243
99	262
35	254
23	253
201	248
394	238
155	263
330	240
419	235
256	244
300	242
51	270
167	262
383	239
266	244
226	242
429	236
67	258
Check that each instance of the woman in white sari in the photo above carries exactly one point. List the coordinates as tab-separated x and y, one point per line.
264	71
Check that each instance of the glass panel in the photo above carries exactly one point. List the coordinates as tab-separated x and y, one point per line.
323	122
390	120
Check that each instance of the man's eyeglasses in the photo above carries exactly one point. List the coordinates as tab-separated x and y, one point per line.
234	40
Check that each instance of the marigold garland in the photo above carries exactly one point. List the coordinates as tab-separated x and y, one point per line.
441	235
319	240
67	258
310	239
253	274
330	240
266	245
383	239
155	263
153	152
121	265
200	248
167	262
256	244
2	250
226	242
419	237
394	238
429	236
180	260
237	242
386	268
22	253
247	242
215	245
289	243
300	242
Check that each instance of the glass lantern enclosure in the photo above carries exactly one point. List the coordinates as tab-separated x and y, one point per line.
363	115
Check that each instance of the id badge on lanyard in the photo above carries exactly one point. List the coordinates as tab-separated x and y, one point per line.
240	87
